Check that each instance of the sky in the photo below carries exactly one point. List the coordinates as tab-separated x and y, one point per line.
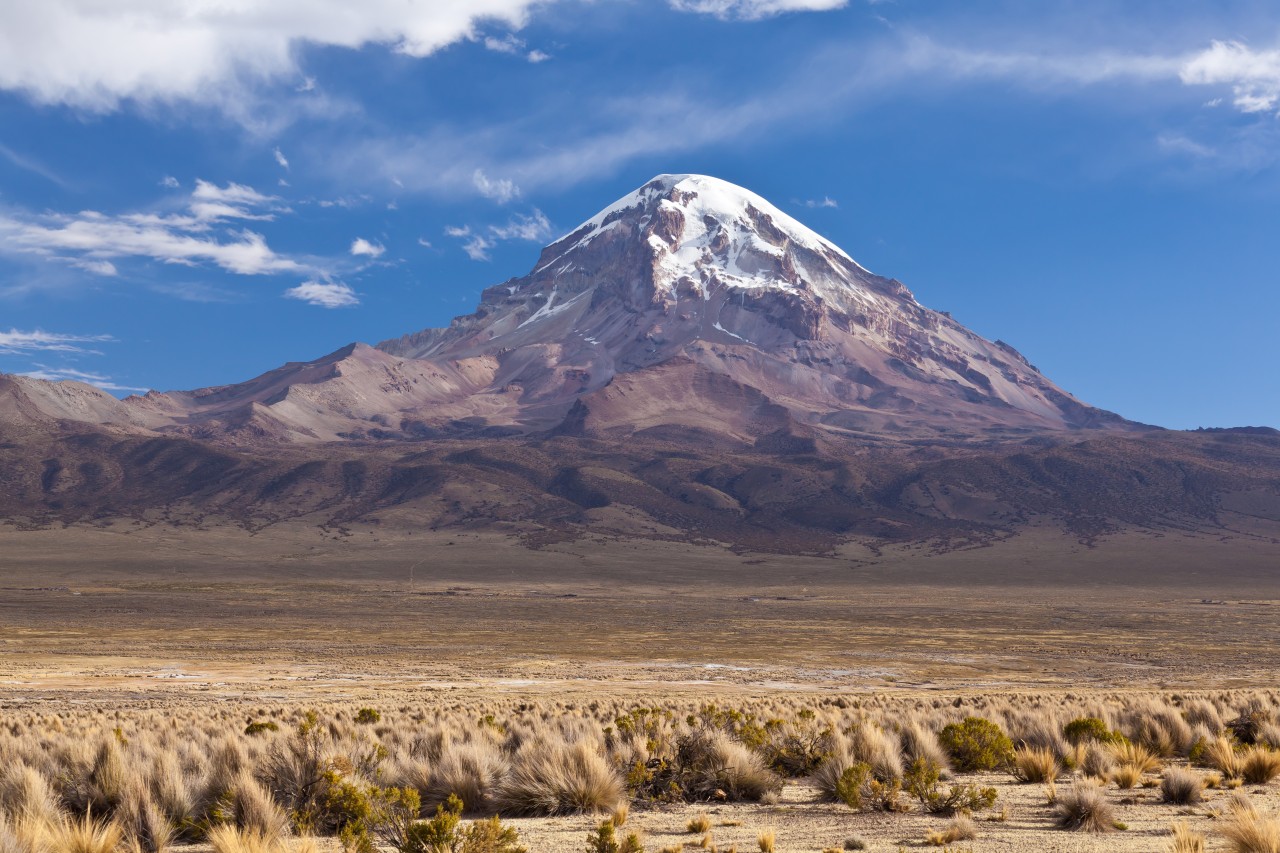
194	192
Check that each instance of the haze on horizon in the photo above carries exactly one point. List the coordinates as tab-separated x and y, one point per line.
182	205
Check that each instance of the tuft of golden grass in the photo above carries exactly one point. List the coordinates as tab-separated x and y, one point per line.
766	840
1246	831
619	815
960	828
1037	764
1126	776
86	835
1259	765
1181	787
699	823
1136	755
1185	839
1084	808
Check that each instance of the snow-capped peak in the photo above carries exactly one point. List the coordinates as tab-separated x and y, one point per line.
709	233
703	195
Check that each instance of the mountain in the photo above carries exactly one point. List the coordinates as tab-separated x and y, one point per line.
689	363
690	303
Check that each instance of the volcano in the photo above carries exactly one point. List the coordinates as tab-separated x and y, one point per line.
691	358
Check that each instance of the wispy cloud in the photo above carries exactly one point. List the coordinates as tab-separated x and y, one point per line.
754	10
325	294
513	46
477	244
825	201
32	165
280	158
67	374
92	240
15	342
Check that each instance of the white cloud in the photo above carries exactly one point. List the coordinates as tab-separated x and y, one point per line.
103	268
91	240
67	374
14	342
533	227
424	242
362	247
33	166
280	158
91	54
825	201
477	248
1254	76
169	182
501	191
536	56
754	10
513	46
326	294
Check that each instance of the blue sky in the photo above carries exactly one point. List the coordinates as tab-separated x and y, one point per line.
194	193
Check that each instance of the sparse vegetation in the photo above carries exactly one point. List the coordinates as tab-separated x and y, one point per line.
1084	808
977	744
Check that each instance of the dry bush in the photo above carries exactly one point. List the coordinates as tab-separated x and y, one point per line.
1184	839
1246	831
1097	761
1126	776
1136	756
144	822
550	777
921	742
1259	765
254	810
767	839
24	790
1221	755
1084	808
874	746
1035	764
85	835
699	823
959	828
1181	787
470	771
229	839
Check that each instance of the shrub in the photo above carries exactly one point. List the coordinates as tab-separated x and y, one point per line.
977	744
1084	808
699	823
1181	787
1035	765
854	843
1090	730
1248	725
707	765
922	782
368	716
260	727
919	741
850	787
1259	765
605	840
